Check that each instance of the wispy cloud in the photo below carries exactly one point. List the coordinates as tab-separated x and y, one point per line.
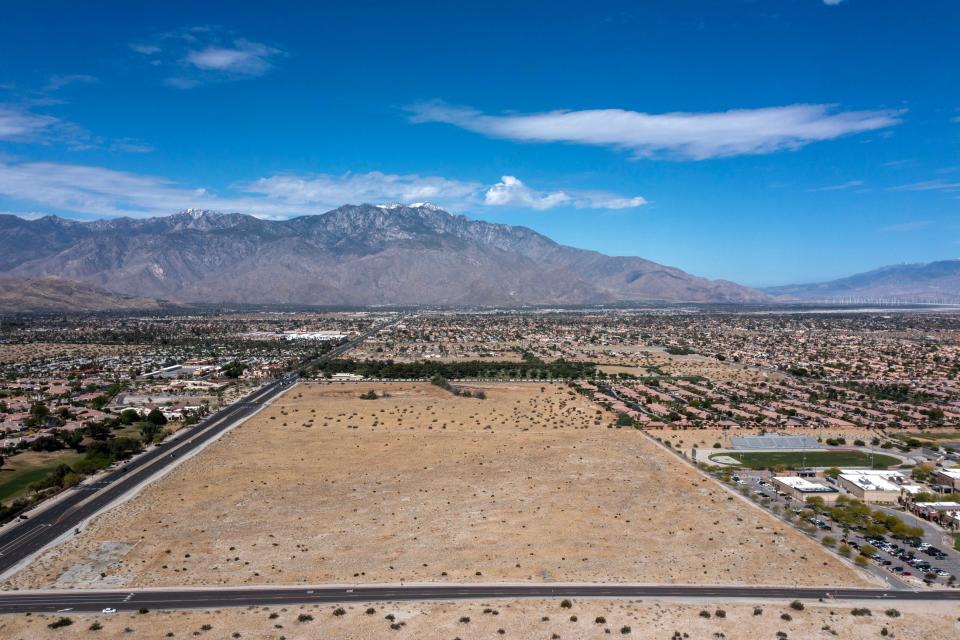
20	125
57	82
832	3
929	185
333	190
243	58
510	191
101	192
681	135
850	184
906	226
199	55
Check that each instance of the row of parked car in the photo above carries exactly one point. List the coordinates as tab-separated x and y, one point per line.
906	555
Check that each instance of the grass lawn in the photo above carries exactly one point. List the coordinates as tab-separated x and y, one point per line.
23	469
793	459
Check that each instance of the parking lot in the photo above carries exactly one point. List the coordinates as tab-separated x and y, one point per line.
899	562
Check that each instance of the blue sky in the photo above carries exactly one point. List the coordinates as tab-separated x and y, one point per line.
764	141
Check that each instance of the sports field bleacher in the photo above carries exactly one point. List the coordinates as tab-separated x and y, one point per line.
774	441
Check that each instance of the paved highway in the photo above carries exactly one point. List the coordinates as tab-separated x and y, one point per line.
84	501
51	601
63	514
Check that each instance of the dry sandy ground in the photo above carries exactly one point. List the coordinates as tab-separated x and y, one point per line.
530	484
516	619
675	365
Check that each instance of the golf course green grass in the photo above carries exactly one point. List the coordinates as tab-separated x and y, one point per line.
22	470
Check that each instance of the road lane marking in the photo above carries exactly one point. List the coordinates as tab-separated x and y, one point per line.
16	541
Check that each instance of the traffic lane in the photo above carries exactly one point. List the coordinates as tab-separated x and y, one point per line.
58	519
197	598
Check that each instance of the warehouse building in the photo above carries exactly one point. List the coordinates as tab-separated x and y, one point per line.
949	479
874	486
802	489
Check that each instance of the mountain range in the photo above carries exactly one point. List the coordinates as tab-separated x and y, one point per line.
352	255
926	282
57	294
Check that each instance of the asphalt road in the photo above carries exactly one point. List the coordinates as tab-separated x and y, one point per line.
84	501
62	601
65	513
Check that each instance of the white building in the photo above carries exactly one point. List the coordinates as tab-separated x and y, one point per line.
872	486
802	489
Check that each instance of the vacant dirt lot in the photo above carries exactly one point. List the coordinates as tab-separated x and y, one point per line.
530	484
36	350
517	619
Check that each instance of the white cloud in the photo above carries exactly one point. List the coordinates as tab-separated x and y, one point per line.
18	124
906	226
850	184
832	3
510	191
332	190
929	185
694	136
22	125
145	49
199	55
244	58
101	192
58	82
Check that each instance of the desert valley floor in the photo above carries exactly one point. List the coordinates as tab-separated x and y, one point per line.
419	485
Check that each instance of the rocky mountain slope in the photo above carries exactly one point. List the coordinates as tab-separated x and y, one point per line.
23	295
356	255
926	282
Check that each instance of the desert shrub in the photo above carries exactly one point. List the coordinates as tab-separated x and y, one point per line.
892	613
339	611
796	605
565	604
304	617
600	620
860	611
786	616
60	622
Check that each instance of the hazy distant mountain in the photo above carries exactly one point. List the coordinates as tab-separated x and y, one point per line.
357	255
19	295
930	282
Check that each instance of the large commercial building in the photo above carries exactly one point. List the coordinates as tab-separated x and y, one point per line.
802	489
875	486
949	478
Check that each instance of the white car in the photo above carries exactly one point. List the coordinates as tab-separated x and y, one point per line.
109	610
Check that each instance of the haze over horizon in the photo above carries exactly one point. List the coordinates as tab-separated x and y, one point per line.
761	142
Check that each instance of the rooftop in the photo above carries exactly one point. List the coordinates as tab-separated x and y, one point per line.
874	480
804	485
